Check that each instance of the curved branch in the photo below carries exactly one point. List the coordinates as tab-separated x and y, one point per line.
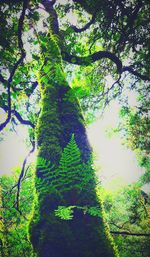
87	60
125	233
135	73
79	30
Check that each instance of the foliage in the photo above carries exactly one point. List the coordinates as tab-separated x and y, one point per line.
134	130
71	173
65	213
14	225
63	196
128	210
37	43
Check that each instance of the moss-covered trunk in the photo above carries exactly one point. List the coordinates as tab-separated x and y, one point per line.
84	235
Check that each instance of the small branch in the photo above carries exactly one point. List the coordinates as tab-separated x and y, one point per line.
22	175
19	118
28	91
110	89
125	233
22	121
135	73
119	226
79	30
129	27
4	81
31	90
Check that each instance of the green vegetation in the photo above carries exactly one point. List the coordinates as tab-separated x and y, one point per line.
14	236
54	79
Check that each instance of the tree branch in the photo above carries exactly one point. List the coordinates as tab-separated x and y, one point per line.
31	90
129	27
22	121
48	5
23	54
79	30
125	233
135	73
19	118
21	176
2	79
87	60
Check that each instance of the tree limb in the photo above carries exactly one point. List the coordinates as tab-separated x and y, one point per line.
129	27
135	73
21	177
48	5
87	60
19	117
23	54
22	121
125	233
79	30
2	79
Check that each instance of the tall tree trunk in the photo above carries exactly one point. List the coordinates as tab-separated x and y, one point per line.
84	235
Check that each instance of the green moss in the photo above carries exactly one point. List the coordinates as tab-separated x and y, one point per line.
60	117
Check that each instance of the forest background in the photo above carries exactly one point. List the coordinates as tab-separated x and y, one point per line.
101	49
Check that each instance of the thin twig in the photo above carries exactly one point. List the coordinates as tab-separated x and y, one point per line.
21	177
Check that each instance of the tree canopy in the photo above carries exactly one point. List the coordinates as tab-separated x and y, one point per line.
115	42
56	58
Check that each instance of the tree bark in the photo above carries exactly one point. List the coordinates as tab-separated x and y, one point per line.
60	117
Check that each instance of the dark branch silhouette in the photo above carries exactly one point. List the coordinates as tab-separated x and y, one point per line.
129	27
22	121
23	54
19	117
22	175
79	30
126	233
48	5
2	79
87	60
28	91
135	73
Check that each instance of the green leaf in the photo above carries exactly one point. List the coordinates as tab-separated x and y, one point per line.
64	213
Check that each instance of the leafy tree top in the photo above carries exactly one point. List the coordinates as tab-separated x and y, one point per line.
108	37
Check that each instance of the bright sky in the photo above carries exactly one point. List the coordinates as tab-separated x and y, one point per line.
116	165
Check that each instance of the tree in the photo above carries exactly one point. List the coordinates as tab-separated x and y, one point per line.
14	225
134	124
117	31
127	212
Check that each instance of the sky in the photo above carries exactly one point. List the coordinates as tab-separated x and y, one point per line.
115	164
